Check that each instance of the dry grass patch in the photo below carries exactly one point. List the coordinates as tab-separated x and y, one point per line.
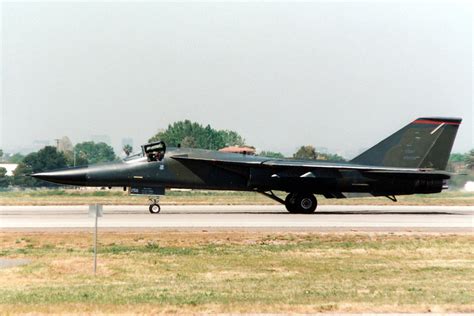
176	272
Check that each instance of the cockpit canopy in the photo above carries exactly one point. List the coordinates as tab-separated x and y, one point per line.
154	151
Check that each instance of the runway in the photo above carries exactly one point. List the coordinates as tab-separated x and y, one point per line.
253	217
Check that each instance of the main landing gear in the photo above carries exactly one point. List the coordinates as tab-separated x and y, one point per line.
296	202
302	203
154	206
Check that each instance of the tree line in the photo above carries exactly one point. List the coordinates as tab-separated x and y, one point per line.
194	135
49	158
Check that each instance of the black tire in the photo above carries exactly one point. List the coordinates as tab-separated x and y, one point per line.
154	208
290	203
306	203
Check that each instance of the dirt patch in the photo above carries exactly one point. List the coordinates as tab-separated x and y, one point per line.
6	263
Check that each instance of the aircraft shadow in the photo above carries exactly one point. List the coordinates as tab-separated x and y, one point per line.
315	213
224	213
383	213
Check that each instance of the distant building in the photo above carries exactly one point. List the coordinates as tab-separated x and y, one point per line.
64	145
10	167
239	150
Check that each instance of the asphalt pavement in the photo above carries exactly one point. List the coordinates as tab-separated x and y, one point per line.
252	217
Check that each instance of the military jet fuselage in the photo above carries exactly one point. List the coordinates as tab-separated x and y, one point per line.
410	161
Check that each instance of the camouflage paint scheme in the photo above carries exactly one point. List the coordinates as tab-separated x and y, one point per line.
410	161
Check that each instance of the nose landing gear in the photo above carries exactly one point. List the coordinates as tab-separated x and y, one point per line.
154	206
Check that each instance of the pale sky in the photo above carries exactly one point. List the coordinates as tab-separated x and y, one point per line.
341	75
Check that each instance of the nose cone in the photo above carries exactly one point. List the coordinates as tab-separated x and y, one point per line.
73	176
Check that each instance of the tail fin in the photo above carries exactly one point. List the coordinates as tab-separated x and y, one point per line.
424	143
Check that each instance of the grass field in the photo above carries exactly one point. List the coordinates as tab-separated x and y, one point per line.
187	272
79	197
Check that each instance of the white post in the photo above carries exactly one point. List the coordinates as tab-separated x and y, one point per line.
95	210
95	243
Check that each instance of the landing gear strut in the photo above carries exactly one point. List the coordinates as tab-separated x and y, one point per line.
154	206
301	203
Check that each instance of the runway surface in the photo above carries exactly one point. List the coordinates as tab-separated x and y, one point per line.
254	217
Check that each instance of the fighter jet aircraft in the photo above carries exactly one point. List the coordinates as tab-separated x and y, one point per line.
411	161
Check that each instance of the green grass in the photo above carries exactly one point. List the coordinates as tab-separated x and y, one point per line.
245	272
77	197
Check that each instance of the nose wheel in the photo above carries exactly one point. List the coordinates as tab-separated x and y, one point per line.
154	207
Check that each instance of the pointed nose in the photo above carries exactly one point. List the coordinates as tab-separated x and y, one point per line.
74	176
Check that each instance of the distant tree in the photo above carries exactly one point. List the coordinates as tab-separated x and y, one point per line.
45	159
458	157
309	152
306	152
127	149
88	153
16	158
231	138
192	134
1	154
176	132
188	142
469	159
332	157
69	158
21	178
455	159
4	179
271	154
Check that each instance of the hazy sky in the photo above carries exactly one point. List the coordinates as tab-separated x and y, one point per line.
341	75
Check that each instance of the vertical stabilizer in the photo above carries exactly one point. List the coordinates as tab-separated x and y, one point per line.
424	143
